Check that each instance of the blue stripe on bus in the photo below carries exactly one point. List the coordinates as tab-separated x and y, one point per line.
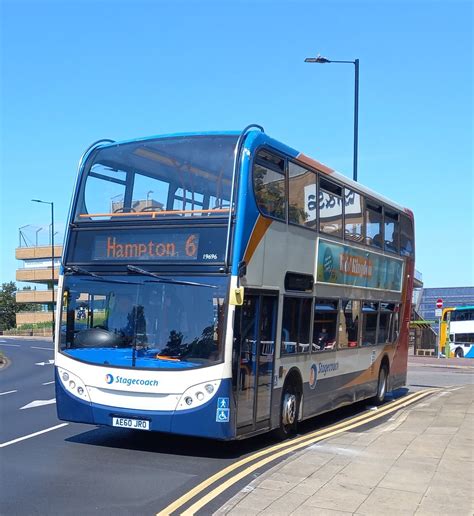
248	211
123	357
470	353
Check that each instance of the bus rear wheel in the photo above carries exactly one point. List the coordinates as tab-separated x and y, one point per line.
459	353
381	386
290	402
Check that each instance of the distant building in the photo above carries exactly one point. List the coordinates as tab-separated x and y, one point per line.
451	296
36	269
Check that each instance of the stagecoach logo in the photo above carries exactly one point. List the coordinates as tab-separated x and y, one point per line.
327	368
313	376
109	378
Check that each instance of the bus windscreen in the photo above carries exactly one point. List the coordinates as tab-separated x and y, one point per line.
158	178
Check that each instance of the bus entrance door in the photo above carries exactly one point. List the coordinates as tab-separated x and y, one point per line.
254	357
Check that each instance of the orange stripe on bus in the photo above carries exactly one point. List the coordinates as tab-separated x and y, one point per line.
258	233
372	372
313	163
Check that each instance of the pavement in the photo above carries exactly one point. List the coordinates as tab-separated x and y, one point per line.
464	363
419	462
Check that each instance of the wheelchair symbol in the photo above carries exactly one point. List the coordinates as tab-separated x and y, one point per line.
222	415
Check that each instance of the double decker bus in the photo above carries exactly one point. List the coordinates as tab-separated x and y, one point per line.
223	285
457	330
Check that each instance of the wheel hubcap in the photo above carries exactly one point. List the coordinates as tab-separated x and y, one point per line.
289	409
383	385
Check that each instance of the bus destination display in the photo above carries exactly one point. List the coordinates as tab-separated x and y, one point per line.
169	247
200	245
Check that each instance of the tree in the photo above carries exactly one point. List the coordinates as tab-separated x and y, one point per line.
9	307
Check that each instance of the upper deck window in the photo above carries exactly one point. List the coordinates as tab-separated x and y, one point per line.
406	237
391	231
302	196
167	177
354	216
269	184
330	208
374	226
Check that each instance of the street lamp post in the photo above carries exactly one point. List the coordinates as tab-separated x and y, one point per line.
36	236
321	60
52	254
148	196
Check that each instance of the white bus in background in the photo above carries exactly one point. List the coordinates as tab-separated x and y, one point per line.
461	339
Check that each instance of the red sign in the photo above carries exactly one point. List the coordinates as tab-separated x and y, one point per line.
439	303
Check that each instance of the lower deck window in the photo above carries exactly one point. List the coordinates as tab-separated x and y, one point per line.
349	324
296	325
369	324
325	324
386	317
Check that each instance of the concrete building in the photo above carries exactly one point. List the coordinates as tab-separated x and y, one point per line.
37	269
451	296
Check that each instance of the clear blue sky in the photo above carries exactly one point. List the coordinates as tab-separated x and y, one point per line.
76	71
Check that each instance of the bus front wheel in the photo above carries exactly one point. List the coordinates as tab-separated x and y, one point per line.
459	353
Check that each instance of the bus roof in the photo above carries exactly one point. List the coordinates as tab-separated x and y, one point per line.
460	308
258	137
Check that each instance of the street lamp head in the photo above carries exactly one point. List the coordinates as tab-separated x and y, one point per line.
39	200
317	59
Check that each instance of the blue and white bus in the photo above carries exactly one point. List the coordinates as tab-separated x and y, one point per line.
223	285
460	328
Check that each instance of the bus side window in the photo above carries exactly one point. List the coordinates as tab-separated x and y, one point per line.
295	325
325	324
302	196
395	324
330	208
349	324
269	183
391	230
353	216
406	236
373	226
369	323
385	320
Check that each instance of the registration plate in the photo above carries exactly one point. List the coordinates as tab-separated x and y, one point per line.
135	424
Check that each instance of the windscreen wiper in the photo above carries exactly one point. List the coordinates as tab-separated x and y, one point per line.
80	270
162	279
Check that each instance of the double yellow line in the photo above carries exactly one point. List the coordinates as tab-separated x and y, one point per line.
278	450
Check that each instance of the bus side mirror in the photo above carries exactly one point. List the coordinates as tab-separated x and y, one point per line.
237	296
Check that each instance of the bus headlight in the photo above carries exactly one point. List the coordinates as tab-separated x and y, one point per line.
73	384
209	388
198	395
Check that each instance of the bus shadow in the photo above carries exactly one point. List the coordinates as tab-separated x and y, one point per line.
160	443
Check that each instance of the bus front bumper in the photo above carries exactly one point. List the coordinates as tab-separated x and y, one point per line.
208	420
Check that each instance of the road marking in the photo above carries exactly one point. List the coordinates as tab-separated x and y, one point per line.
8	443
285	448
38	347
49	362
7	392
38	403
11	345
47	383
222	487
